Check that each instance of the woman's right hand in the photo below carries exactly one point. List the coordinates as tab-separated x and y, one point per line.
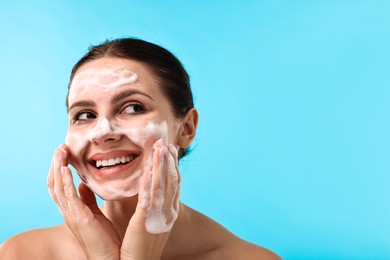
94	232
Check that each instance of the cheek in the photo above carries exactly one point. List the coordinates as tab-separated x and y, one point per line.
76	142
77	145
146	135
143	135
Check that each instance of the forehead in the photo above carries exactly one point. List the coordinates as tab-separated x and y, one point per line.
107	75
103	76
107	62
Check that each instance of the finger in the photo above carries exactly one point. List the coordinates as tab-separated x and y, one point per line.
172	149
144	195
176	201
172	187
175	154
88	198
67	152
50	176
59	161
158	178
174	163
75	207
50	182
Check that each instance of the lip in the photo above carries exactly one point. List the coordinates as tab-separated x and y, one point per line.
112	154
117	170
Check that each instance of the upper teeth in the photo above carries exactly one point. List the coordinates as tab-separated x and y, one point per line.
114	161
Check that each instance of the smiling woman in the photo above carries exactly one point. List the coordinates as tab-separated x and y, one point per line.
131	118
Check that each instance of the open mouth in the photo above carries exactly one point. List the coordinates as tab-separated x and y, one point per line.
112	162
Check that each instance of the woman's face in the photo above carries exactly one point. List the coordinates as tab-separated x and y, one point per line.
117	111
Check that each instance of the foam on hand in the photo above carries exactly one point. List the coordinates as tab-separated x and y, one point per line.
162	214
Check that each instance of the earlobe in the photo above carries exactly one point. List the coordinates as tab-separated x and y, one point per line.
188	128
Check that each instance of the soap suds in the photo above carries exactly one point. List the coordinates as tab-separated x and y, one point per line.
98	83
101	79
162	210
140	136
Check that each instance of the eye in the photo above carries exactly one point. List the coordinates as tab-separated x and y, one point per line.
84	116
133	108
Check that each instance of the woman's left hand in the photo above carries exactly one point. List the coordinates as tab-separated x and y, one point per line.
157	208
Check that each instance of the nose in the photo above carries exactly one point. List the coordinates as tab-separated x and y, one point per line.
104	132
109	138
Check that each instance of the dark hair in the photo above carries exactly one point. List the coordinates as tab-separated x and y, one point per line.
169	72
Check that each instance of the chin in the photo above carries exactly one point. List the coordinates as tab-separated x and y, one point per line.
116	197
118	189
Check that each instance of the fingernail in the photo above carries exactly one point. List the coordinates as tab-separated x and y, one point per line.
62	169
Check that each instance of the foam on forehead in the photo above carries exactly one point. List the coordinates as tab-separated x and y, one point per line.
103	79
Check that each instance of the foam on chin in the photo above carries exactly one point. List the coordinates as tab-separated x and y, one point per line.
114	189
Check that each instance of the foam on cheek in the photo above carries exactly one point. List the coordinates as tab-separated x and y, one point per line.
77	143
142	136
146	137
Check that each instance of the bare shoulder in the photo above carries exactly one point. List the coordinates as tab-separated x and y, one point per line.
29	244
42	243
213	241
239	249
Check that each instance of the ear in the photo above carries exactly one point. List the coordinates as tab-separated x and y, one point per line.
187	129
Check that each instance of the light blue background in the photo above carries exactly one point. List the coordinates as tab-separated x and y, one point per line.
292	151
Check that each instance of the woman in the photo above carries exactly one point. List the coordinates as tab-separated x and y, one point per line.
131	118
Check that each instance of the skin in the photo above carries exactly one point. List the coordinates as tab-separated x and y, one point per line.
119	229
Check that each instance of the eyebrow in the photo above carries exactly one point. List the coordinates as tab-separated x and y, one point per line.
118	97
82	103
124	94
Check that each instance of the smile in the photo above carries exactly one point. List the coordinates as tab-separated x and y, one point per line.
115	161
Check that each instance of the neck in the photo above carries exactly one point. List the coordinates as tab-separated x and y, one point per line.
185	229
119	212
